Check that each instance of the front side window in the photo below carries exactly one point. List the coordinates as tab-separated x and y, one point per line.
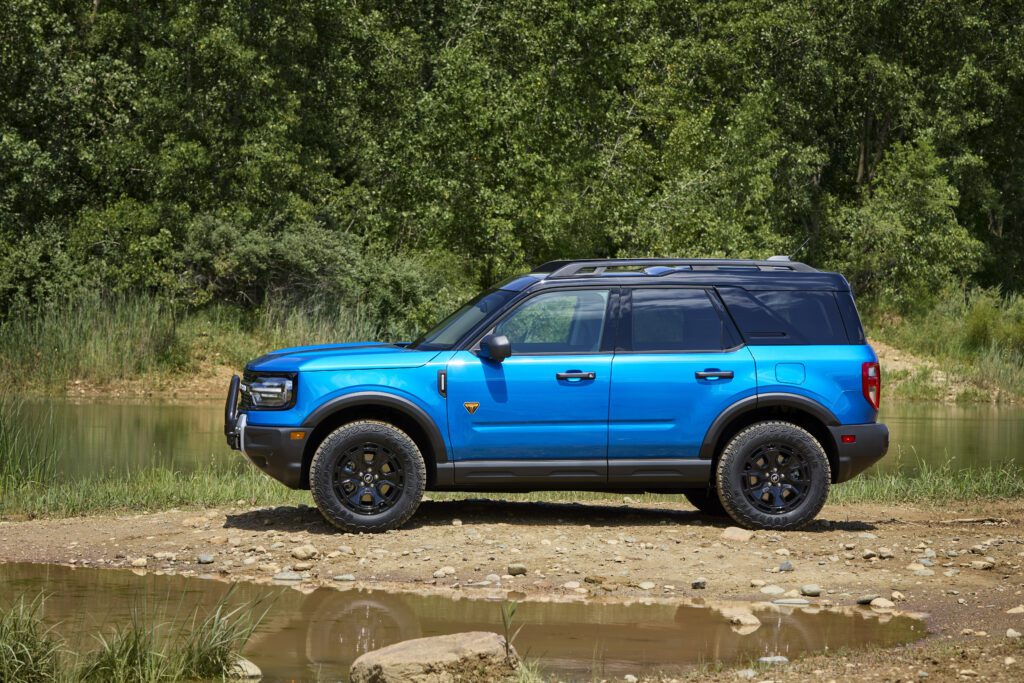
449	331
676	320
558	322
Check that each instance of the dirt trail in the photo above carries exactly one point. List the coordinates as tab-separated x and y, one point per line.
960	564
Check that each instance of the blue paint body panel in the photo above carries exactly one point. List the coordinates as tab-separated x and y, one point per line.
659	409
524	411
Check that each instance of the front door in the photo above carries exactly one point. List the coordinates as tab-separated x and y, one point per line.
543	412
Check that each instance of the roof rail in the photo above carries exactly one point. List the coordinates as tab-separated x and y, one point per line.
556	270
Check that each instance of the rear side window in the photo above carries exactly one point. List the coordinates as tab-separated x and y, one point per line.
786	317
676	320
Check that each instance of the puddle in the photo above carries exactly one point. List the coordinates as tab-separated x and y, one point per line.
316	636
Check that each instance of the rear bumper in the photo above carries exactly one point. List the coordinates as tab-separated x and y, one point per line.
871	442
272	449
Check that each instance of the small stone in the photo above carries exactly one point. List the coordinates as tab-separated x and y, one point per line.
982	564
517	569
783	552
757	583
1019	609
493	578
243	669
924	572
646	585
746	673
573	585
139	562
205	559
303	566
346	550
897	596
736	534
886	553
774	659
792	602
868	554
345	577
882	603
1010	633
288	576
866	599
772	589
811	590
630	678
305	552
456	522
967	673
786	566
1009	661
699	583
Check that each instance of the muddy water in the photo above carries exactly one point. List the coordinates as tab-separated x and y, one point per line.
94	437
316	636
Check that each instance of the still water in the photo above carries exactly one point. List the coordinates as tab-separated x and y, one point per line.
316	636
95	437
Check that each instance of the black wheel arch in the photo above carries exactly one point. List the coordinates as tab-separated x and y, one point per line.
800	410
376	405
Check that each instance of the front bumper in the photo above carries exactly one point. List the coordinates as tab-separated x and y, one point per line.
871	442
275	450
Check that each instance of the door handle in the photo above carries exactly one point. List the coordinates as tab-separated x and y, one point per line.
575	374
713	374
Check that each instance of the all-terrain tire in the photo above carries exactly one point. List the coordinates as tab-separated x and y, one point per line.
706	500
348	445
744	476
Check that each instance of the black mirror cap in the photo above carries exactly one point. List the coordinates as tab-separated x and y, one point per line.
495	347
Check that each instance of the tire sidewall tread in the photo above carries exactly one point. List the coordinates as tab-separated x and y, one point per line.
735	503
321	472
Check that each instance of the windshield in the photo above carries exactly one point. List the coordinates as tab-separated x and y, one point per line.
450	330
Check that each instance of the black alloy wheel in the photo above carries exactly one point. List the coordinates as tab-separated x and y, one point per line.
367	476
773	475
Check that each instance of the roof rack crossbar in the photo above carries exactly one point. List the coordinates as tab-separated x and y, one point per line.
556	270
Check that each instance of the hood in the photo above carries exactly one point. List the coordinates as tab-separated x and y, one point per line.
351	356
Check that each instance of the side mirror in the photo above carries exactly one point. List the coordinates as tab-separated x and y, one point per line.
495	347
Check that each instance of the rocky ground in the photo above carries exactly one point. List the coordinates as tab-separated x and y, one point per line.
962	565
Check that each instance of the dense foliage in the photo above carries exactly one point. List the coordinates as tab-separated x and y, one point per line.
395	155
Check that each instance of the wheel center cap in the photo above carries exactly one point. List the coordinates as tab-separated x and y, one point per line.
367	478
774	478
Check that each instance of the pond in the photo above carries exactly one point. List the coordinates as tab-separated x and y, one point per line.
316	635
102	436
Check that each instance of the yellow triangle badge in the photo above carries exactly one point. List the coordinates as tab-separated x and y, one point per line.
471	406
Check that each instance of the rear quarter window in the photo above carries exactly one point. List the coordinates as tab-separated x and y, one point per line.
786	316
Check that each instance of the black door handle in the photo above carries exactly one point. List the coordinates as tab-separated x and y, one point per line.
576	374
713	374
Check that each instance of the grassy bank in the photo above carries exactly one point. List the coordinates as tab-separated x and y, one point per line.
972	343
141	651
104	340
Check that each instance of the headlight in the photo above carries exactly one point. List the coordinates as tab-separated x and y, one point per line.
269	392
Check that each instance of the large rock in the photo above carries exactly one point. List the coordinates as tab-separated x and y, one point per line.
474	656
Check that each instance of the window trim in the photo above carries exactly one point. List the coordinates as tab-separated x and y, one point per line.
609	333
625	336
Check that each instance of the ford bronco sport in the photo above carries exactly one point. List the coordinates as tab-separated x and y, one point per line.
746	386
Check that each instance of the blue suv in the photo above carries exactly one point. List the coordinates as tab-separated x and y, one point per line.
746	386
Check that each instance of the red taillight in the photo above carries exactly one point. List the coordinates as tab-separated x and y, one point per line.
871	383
849	438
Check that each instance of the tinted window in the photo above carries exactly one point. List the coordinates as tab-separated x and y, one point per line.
786	317
676	320
557	322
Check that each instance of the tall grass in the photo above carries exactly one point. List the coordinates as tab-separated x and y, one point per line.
27	457
140	651
30	652
977	333
100	340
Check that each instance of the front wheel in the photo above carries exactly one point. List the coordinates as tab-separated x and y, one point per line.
773	475
367	476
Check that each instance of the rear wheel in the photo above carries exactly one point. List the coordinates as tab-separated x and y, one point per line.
367	476
773	475
707	501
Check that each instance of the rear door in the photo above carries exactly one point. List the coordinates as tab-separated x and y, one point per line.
678	364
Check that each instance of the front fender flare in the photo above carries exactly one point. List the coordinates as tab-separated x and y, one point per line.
387	400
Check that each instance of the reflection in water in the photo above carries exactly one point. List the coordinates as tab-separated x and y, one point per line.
119	436
316	636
